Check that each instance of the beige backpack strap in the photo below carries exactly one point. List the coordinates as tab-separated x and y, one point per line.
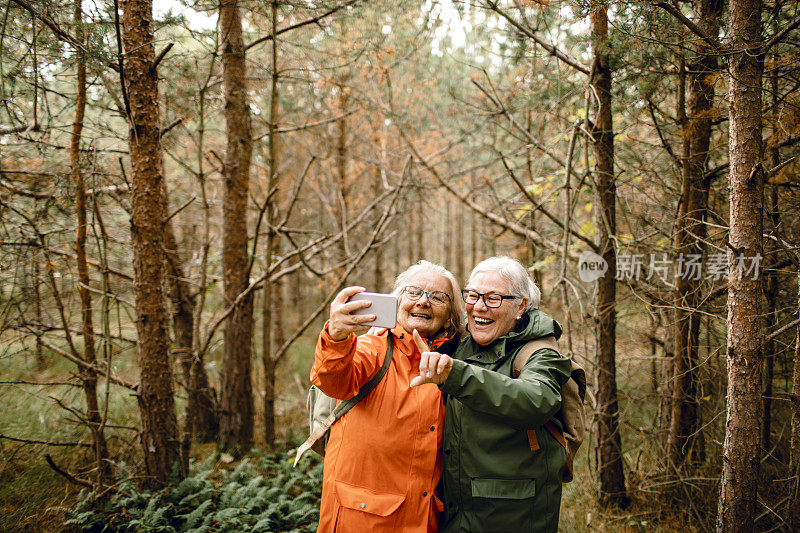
531	348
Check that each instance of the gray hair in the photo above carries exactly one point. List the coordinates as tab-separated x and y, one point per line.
458	315
515	274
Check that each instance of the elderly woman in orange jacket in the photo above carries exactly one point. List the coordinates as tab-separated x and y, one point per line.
383	458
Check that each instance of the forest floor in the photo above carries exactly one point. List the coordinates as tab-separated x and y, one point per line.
34	498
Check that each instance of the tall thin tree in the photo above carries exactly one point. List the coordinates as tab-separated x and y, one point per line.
611	479
690	233
88	374
236	404
159	431
740	457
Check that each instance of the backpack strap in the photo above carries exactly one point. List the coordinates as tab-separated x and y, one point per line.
344	406
368	387
531	348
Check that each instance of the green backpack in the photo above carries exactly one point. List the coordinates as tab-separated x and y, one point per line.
323	410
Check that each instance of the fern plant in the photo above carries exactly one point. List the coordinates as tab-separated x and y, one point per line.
261	494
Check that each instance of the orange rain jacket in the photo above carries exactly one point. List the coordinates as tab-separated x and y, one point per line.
383	458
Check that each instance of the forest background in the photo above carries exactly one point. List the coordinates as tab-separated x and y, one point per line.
181	195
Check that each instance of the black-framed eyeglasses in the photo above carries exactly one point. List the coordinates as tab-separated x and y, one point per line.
491	299
434	297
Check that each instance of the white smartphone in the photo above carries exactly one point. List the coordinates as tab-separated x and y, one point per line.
384	307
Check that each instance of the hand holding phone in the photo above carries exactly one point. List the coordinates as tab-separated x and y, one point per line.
384	307
355	311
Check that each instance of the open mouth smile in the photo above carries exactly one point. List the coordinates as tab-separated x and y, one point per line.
420	315
482	321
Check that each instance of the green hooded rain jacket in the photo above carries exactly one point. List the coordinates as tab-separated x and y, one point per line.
493	480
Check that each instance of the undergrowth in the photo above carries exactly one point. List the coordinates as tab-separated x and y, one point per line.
260	494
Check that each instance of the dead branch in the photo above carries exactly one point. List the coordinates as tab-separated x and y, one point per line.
539	206
313	20
353	264
45	442
676	12
69	477
552	50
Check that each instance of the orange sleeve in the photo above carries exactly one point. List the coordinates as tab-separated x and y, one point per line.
342	367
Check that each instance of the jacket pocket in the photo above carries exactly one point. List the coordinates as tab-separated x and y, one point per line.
507	489
367	500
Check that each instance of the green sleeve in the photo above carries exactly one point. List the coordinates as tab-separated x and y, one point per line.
527	401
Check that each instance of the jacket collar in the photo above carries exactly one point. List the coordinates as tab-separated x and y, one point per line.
404	341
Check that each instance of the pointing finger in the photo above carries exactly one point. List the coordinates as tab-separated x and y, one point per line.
421	346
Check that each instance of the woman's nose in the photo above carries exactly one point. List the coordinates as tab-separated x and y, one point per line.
424	300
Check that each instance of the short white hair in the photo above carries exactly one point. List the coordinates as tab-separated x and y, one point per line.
515	274
458	314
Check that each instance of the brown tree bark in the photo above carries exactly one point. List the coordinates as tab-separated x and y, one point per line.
771	283
236	405
159	431
690	232
740	457
611	478
88	376
202	420
273	296
794	439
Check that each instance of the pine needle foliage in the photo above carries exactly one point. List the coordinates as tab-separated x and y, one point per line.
260	494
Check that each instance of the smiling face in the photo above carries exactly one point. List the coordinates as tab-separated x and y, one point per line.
487	324
421	315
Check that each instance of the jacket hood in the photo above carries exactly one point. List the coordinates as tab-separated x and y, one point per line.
534	325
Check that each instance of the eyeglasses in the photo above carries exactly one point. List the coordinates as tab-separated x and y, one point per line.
490	299
434	297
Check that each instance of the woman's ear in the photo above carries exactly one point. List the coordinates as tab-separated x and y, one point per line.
522	306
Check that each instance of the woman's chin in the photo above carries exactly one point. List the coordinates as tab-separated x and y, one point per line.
482	337
423	327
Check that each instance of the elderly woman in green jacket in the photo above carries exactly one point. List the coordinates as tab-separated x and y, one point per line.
502	468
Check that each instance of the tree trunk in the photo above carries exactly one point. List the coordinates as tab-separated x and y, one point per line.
379	270
202	421
458	262
794	440
685	422
740	457
771	285
611	480
273	297
88	377
236	406
159	431
342	176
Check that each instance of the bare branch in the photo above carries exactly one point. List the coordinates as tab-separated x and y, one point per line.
46	442
161	56
778	37
675	11
500	221
501	109
539	206
555	52
8	130
66	474
313	20
308	125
